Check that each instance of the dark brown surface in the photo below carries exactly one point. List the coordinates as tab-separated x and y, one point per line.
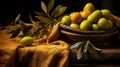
108	57
92	37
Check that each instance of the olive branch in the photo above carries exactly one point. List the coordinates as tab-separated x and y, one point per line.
83	48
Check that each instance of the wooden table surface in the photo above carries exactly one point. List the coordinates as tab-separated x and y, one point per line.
108	57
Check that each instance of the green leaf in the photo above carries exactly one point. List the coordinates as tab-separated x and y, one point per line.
56	10
17	18
22	24
79	53
43	6
86	48
43	19
36	30
40	13
76	45
61	11
50	5
33	22
25	28
80	50
97	49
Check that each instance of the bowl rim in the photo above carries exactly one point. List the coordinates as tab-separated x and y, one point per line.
88	35
68	28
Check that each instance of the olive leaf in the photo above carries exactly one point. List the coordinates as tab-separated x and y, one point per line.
17	18
25	29
97	49
61	11
13	22
83	48
33	22
80	52
76	45
23	26
43	19
40	13
86	48
56	10
43	6
49	17
36	30
50	5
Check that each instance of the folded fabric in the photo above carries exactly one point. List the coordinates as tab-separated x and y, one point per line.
49	53
42	56
7	49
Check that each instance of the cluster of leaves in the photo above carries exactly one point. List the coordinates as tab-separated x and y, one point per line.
83	48
22	29
50	14
47	19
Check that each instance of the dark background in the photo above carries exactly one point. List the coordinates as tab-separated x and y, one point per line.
9	9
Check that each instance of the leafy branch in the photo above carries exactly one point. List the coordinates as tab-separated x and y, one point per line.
50	15
83	48
46	20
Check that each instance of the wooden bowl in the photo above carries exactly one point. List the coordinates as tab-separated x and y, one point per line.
93	36
68	28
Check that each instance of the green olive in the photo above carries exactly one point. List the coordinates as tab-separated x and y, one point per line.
27	41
